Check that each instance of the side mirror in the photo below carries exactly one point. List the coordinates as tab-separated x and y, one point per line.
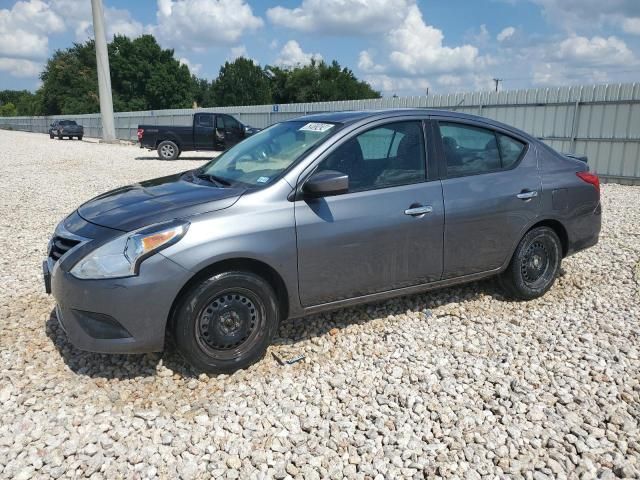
326	183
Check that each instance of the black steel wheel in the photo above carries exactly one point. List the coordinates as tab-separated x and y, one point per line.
534	265
226	322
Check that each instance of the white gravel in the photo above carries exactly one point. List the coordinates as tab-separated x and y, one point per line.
457	383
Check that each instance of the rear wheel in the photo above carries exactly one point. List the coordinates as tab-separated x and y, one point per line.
168	150
226	322
80	137
534	266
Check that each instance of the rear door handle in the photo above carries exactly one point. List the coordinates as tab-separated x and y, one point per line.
417	211
527	194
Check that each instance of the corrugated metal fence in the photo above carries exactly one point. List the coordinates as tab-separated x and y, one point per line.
601	121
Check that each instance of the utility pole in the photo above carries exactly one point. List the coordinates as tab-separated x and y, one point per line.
104	74
497	82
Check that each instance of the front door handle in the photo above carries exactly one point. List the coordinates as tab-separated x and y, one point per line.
418	210
527	194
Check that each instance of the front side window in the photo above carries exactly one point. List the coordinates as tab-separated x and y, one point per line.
263	157
230	122
386	156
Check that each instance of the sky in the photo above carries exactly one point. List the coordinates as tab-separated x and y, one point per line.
401	47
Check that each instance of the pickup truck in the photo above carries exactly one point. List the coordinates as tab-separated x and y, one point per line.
210	131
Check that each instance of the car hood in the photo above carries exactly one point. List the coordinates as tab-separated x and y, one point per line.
157	200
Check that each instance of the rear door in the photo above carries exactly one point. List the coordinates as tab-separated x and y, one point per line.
203	131
491	187
372	238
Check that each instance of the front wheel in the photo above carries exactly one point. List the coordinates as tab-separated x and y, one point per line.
51	136
168	150
226	322
534	265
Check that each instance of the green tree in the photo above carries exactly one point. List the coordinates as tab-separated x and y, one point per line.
241	82
26	103
8	110
143	77
146	77
318	82
69	81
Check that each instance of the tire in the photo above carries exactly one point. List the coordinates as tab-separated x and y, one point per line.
59	137
226	322
51	136
80	137
534	266
168	150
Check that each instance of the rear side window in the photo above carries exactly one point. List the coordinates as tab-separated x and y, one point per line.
510	150
470	150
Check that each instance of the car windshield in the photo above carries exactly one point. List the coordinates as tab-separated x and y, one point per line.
67	122
261	158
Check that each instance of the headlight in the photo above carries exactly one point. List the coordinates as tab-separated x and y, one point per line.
122	256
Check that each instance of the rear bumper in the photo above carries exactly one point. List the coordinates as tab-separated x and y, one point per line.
126	315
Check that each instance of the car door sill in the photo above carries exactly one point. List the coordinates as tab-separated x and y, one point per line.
423	287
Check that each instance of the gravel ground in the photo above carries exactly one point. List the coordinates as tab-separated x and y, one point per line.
457	383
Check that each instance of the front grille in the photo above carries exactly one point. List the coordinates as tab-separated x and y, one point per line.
60	246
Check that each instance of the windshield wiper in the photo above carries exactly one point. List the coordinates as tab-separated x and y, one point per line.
214	179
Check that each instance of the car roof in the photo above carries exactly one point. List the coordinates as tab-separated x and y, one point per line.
350	117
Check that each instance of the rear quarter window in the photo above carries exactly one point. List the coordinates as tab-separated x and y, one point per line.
510	150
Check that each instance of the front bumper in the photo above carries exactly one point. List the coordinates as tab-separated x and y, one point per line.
125	315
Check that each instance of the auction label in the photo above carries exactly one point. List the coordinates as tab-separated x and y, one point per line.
316	127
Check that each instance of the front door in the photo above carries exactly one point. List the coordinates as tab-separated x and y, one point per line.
491	188
385	232
203	131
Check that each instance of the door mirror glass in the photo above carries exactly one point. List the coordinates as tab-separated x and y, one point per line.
326	183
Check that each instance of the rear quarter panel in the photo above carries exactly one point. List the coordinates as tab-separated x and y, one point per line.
569	199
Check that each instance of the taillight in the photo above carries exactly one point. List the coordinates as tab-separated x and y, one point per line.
591	178
140	133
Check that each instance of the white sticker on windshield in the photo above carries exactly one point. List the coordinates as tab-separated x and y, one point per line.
263	180
316	127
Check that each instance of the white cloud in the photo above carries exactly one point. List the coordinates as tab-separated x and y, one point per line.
505	34
239	51
595	51
366	63
413	57
417	48
193	67
292	55
584	15
19	67
346	17
631	25
25	28
77	17
199	24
